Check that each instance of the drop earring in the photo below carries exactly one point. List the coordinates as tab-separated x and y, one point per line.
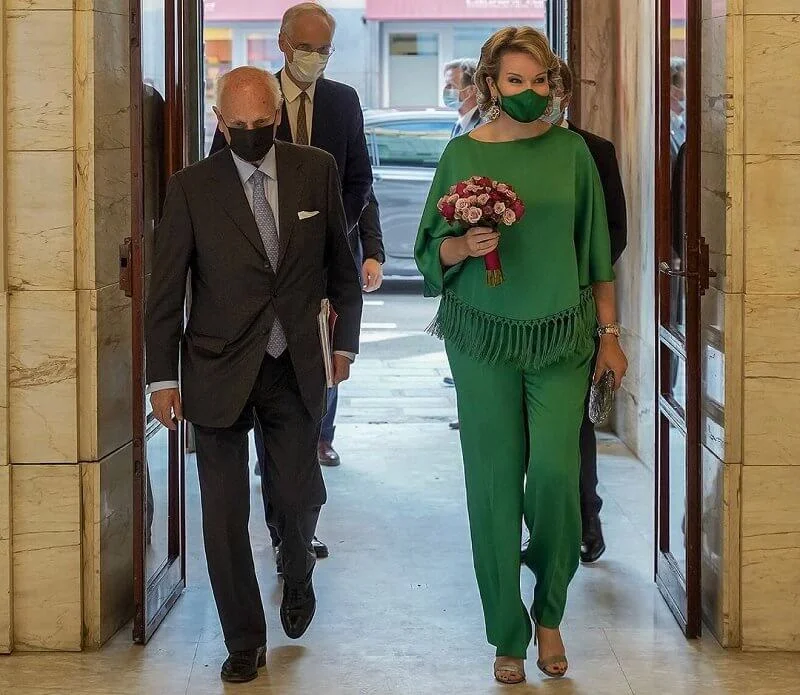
494	110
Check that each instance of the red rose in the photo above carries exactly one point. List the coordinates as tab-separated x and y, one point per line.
488	210
518	208
448	211
485	181
461	188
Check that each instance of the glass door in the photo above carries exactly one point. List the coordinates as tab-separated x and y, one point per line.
159	146
681	280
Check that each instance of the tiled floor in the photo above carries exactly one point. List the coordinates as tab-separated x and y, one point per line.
398	606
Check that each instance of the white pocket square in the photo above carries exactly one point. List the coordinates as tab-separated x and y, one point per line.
305	214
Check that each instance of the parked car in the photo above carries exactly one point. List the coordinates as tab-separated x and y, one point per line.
404	147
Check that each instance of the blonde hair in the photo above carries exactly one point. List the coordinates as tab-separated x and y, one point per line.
513	39
295	12
248	73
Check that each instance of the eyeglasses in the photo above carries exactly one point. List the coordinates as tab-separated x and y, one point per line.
321	50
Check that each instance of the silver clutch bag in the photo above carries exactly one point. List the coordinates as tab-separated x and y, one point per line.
601	398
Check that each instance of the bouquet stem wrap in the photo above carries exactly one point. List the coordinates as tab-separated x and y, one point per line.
494	271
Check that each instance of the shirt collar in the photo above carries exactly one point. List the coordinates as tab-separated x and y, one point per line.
269	166
464	120
565	124
291	91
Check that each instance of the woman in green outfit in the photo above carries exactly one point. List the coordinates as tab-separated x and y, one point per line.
521	352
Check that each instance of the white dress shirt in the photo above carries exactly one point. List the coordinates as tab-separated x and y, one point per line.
245	169
463	122
291	93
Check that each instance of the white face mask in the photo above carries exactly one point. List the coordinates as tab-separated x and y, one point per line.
307	66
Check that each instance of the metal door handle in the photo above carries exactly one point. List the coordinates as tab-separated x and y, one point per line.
667	269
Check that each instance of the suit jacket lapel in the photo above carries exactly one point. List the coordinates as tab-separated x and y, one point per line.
290	188
229	191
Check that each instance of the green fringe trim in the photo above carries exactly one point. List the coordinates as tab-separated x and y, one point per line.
530	344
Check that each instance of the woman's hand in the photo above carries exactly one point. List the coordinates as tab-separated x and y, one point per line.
480	241
611	358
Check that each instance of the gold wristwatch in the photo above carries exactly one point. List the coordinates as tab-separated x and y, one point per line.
608	329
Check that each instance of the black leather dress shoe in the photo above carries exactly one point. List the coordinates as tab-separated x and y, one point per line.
297	608
242	667
593	545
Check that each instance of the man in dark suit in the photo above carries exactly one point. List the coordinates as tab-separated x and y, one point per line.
605	158
261	227
461	94
325	114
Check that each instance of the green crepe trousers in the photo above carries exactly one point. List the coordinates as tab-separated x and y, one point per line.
520	442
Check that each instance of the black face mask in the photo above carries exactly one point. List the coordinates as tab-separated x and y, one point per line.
252	145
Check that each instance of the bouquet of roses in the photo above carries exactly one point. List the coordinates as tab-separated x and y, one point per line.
481	202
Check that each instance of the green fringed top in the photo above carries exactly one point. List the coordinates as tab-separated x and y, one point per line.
544	310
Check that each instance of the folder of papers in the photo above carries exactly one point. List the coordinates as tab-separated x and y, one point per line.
326	322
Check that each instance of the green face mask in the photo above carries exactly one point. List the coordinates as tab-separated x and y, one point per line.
526	106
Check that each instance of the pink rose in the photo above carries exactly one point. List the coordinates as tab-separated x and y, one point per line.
472	199
462	204
511	195
499	208
452	199
474	215
483	198
509	217
501	187
440	204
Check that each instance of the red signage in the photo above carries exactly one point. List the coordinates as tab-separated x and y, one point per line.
432	10
245	10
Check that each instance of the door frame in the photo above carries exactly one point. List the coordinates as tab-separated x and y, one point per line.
682	592
153	597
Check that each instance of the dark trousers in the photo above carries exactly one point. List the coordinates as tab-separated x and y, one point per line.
329	421
326	435
297	492
590	500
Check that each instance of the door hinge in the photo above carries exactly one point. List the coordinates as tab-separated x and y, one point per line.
125	283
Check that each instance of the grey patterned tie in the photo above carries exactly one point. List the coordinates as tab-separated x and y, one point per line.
265	219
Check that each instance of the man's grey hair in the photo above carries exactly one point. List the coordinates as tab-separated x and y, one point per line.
468	67
297	11
248	72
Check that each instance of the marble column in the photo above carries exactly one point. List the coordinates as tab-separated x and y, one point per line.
768	148
66	325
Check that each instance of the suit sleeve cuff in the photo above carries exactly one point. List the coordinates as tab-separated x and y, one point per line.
161	386
349	355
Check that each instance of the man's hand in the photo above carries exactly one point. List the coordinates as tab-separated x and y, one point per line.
341	368
167	407
371	275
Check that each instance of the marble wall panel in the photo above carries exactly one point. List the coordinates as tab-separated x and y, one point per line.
769	6
720	552
110	6
770	558
46	502
5	560
772	54
39	99
39	221
105	371
111	80
108	545
714	116
42	371
770	218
